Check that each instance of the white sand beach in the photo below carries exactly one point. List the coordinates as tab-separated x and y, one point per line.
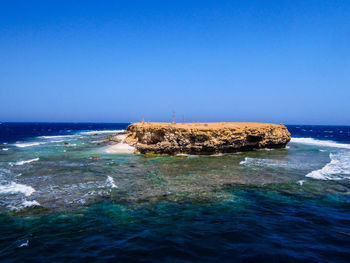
121	147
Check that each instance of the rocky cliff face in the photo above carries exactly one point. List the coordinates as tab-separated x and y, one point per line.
205	138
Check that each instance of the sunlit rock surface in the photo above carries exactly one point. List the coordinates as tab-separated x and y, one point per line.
205	138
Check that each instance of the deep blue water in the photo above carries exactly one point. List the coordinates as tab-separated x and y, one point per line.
13	131
266	229
60	205
321	132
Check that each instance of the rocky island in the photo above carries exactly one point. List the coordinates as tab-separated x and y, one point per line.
202	138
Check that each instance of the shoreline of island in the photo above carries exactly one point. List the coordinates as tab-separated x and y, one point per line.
198	138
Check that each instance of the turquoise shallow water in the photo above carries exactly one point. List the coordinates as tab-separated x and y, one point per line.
59	204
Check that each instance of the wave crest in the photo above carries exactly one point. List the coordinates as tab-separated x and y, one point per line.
16	188
265	162
337	169
24	162
56	136
311	141
110	181
30	203
28	144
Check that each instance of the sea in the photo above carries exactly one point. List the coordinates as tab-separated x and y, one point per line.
63	198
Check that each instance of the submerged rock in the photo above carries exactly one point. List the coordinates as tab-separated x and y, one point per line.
205	138
95	157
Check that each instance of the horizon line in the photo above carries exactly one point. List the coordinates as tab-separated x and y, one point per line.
91	122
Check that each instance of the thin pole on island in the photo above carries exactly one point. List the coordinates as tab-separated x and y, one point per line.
173	116
183	119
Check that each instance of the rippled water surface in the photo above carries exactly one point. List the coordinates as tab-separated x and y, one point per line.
63	198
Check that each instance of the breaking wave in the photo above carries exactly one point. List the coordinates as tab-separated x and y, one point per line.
337	169
28	144
13	188
101	132
24	162
24	204
110	181
25	244
264	162
56	136
30	203
286	163
311	141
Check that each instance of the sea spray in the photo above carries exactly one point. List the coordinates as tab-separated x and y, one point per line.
338	168
24	162
324	143
29	144
111	182
16	188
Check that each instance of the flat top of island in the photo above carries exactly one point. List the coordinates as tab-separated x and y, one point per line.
204	125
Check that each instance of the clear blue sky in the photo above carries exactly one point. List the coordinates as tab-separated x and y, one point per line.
121	61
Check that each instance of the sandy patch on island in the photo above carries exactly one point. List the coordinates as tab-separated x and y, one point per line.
121	147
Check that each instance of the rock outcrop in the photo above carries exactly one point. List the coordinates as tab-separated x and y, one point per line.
205	138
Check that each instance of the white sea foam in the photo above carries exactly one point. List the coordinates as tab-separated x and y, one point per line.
248	161
24	204
245	161
25	244
337	169
102	131
57	141
24	162
28	144
97	141
5	149
187	155
16	188
30	203
110	181
311	141
301	182
57	136
261	162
